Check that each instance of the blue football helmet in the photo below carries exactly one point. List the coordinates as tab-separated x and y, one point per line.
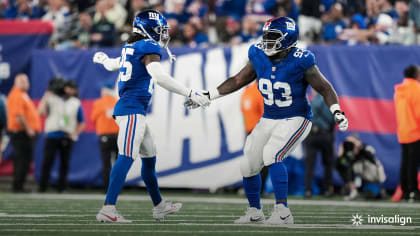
152	24
279	34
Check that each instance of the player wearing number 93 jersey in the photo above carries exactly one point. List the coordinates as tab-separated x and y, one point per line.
138	66
283	72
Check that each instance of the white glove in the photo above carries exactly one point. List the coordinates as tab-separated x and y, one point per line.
341	120
197	99
100	57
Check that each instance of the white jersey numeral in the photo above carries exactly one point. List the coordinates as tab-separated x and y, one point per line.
266	88
125	76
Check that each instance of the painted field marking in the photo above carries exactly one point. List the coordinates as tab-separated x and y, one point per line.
328	203
297	226
195	232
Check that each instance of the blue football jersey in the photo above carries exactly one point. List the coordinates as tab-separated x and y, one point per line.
135	85
282	84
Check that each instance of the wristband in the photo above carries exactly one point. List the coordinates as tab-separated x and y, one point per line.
335	108
214	93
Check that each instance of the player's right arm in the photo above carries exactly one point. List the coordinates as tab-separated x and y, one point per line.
110	64
163	79
234	83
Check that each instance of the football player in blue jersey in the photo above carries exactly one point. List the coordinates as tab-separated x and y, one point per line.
139	65
283	72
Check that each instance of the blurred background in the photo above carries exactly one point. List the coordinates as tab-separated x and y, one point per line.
362	46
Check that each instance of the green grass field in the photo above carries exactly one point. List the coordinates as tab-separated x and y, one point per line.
74	214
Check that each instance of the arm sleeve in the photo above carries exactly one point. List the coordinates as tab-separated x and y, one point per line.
80	116
112	64
164	80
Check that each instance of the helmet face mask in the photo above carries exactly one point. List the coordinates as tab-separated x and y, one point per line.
271	42
279	34
163	32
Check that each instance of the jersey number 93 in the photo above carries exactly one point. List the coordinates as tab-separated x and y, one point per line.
266	88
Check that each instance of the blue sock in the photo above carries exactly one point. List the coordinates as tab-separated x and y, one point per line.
252	186
278	172
117	178
148	173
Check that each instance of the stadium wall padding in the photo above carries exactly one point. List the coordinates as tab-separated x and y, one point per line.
202	148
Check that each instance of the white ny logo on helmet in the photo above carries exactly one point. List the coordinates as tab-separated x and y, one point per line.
290	25
153	16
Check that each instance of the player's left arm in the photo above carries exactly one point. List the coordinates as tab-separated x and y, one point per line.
317	80
163	79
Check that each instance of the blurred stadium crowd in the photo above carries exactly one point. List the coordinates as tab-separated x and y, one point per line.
202	23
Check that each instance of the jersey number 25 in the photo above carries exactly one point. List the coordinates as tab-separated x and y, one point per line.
124	76
266	88
125	64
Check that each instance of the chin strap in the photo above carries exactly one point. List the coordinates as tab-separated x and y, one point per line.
172	57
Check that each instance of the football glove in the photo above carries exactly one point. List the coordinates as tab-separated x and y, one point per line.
197	99
100	57
341	120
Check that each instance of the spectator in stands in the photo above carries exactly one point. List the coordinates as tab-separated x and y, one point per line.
266	7
193	38
103	31
23	9
334	23
250	30
320	140
177	9
287	8
115	13
385	6
229	30
225	8
106	128
79	36
383	32
82	5
310	24
63	125
349	36
360	169
23	125
405	33
135	7
407	104
82	31
3	122
414	17
59	15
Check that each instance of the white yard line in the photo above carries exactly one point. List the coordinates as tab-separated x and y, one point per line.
295	226
191	231
216	200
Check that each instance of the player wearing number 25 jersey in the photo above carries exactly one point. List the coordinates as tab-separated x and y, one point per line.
135	85
139	65
283	73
